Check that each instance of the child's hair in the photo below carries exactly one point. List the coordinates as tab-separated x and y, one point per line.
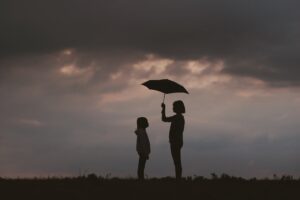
142	122
178	107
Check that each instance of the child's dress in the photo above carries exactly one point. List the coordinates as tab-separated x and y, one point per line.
142	143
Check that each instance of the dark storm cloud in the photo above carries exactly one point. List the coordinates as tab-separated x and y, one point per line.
255	38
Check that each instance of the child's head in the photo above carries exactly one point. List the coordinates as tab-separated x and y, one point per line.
178	107
142	122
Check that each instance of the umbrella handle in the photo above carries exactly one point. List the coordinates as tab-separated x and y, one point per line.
164	98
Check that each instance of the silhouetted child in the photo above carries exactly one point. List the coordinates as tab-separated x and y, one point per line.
142	145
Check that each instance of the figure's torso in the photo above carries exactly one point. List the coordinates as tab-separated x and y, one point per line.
176	129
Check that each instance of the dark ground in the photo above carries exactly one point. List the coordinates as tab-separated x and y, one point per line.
93	187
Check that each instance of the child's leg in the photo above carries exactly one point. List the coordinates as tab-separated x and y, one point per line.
141	167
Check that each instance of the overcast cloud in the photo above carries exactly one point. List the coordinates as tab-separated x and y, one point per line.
70	75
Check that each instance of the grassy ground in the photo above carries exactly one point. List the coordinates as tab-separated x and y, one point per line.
93	187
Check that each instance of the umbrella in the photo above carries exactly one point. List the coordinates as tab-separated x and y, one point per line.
165	86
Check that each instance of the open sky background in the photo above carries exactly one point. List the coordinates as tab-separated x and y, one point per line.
71	74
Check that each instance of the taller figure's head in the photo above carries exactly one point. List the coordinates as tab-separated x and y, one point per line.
142	122
178	107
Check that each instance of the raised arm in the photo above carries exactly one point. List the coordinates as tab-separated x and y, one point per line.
163	114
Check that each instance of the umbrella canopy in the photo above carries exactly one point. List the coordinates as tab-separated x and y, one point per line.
165	86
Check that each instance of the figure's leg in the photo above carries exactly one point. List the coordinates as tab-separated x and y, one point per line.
141	167
176	154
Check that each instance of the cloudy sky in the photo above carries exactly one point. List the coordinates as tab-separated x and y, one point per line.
71	74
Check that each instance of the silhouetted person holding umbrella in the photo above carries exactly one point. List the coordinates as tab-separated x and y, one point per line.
142	145
176	133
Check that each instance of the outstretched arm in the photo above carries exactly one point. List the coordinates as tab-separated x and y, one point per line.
163	114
